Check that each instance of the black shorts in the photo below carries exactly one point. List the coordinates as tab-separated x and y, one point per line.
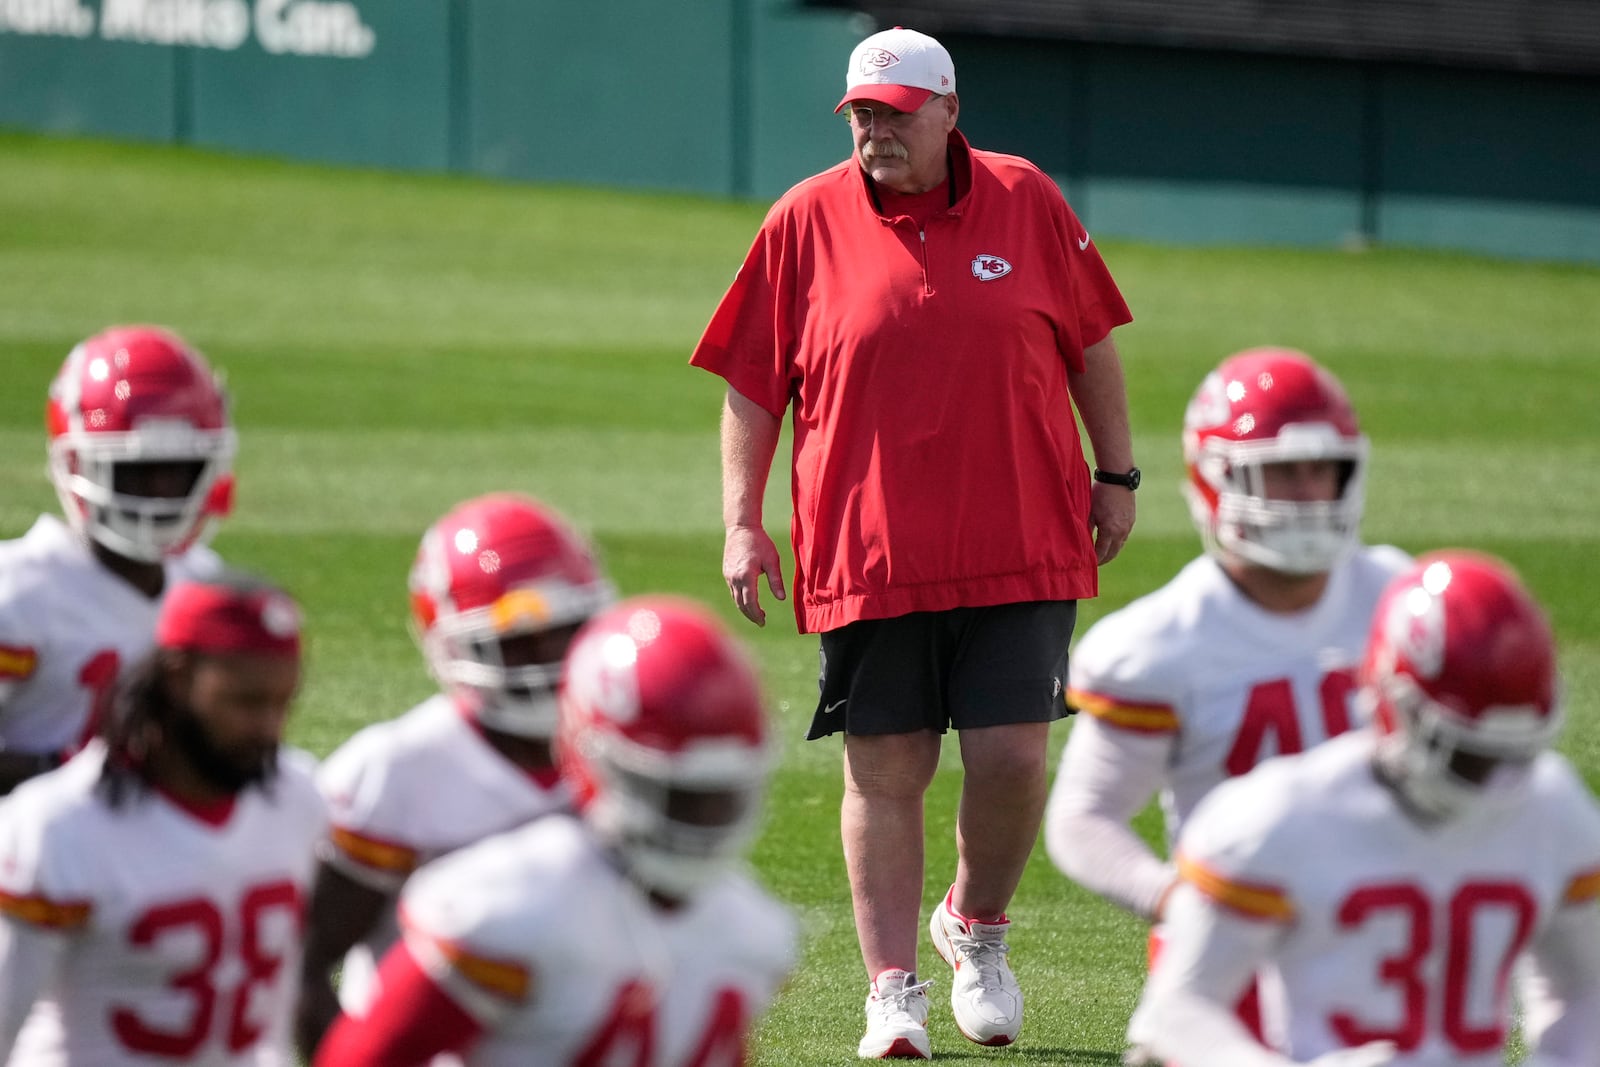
933	670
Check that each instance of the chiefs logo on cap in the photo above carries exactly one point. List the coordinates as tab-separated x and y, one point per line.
876	59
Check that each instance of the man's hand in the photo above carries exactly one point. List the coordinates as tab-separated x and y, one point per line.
1111	514
747	554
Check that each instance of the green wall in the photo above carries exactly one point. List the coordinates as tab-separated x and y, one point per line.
734	98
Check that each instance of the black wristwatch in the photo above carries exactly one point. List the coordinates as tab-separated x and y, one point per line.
1129	481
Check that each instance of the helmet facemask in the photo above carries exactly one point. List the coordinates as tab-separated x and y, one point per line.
85	469
1291	536
505	660
1443	764
676	821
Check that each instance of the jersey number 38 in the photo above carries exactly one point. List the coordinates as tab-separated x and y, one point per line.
214	1008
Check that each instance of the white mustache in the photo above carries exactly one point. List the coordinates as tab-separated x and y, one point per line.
874	149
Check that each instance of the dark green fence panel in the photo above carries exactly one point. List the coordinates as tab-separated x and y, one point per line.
85	84
794	64
734	97
1497	163
1206	147
342	83
633	94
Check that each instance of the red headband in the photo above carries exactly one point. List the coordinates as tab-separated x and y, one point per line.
219	619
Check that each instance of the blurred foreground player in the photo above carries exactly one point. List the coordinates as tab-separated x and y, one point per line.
499	588
621	934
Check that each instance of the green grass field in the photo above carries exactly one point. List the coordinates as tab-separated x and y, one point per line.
398	343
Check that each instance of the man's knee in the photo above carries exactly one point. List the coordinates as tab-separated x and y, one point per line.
891	766
1015	753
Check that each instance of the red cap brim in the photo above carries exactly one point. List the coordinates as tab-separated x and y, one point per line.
899	97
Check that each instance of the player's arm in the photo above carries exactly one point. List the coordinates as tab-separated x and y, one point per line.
411	1021
343	911
29	957
1107	776
1560	988
1186	1013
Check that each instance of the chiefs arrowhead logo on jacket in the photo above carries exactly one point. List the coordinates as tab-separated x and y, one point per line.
988	268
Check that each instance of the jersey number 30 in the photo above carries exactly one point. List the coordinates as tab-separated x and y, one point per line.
1467	922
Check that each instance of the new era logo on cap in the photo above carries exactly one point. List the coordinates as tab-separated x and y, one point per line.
900	68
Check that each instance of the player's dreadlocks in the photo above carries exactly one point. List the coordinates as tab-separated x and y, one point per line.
141	705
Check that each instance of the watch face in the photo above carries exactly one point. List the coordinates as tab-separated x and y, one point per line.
1134	478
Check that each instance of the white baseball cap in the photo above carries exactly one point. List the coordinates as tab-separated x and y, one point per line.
901	68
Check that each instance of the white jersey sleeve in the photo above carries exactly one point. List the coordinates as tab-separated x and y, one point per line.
30	957
1187	1007
1106	777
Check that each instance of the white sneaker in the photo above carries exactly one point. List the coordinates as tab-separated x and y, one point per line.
984	994
897	1019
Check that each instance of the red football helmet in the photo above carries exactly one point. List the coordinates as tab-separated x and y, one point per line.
497	575
126	401
663	739
1263	406
1460	678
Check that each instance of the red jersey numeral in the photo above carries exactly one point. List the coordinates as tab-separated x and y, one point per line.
99	677
1406	970
198	919
1270	712
627	1037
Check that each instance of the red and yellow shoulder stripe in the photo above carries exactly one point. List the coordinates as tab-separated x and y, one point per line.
37	910
17	662
1141	718
504	979
1583	888
375	852
1251	900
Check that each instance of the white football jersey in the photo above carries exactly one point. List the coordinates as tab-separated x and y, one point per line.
563	959
176	935
68	628
1229	682
1390	929
406	791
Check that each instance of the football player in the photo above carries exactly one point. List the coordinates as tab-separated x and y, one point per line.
140	450
1388	884
499	587
1250	651
622	933
152	890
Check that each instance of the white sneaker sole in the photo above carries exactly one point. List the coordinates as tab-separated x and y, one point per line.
901	1048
